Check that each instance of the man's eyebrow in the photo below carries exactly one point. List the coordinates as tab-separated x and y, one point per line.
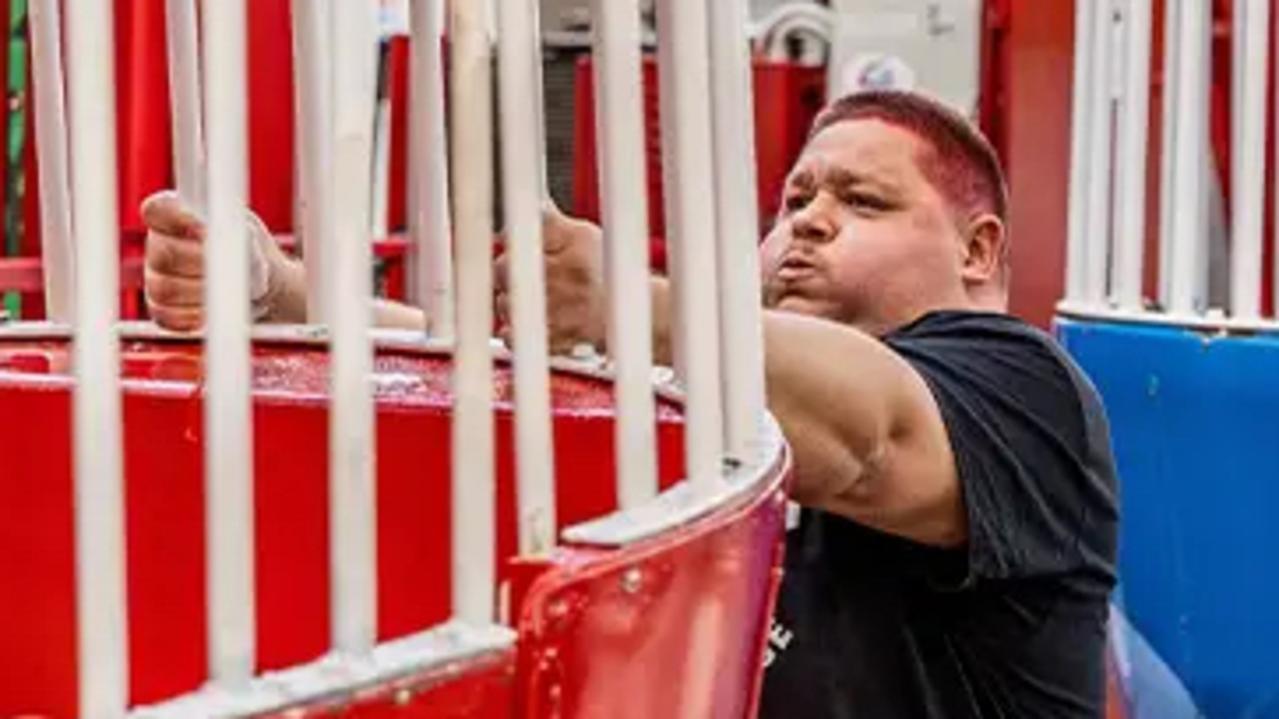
804	179
842	179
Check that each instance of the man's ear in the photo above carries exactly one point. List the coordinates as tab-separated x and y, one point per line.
985	249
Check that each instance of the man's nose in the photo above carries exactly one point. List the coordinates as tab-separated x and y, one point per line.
815	222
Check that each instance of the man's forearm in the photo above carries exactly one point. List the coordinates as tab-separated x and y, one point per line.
286	302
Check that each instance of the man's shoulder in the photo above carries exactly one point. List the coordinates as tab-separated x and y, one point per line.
996	349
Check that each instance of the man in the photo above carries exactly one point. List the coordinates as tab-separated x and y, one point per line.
957	544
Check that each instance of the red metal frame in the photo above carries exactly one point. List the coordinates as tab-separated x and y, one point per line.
729	558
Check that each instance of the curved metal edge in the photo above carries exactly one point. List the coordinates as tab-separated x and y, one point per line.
1216	323
588	365
687	501
448	648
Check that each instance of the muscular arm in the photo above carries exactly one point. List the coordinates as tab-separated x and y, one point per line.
867	435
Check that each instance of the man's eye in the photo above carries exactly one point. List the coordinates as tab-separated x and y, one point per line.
866	201
795	203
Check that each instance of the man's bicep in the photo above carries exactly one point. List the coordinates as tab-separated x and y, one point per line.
867	435
912	489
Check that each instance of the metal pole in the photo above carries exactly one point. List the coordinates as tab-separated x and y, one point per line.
101	612
1188	157
51	149
430	270
1130	236
737	222
1168	143
1080	142
352	493
1097	239
520	55
181	25
313	76
1250	160
619	123
473	443
228	418
687	143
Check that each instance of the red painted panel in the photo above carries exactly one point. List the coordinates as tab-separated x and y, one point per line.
672	627
164	514
37	602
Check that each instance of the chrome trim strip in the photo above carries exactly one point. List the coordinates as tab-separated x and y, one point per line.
1212	322
688	501
339	676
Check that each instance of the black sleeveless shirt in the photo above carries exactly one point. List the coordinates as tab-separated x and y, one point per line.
872	626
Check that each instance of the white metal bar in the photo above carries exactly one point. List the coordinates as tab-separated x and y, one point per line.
1250	161
101	618
1188	156
473	462
430	270
51	149
314	120
352	493
1100	176
737	223
1080	143
183	42
519	60
619	122
1133	151
228	445
1168	142
687	144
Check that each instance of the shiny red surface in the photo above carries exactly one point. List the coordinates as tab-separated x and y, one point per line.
674	627
164	516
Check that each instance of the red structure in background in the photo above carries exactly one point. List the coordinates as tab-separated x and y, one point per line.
787	98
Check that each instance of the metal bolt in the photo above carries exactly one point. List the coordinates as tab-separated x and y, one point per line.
403	696
632	580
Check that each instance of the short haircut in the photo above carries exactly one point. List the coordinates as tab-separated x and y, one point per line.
960	164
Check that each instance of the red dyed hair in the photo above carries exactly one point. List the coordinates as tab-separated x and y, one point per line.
960	162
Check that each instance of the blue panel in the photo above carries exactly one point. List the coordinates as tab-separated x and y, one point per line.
1195	423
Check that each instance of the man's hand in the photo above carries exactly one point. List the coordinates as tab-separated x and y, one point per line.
174	273
575	299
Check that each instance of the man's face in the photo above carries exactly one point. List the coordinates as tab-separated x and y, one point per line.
863	238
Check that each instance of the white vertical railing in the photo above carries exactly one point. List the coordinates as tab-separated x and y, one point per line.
352	494
1100	135
51	148
312	89
101	620
181	19
1169	135
1249	186
1188	156
1080	143
473	477
1190	188
1132	152
619	121
737	222
228	445
519	63
683	61
430	271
